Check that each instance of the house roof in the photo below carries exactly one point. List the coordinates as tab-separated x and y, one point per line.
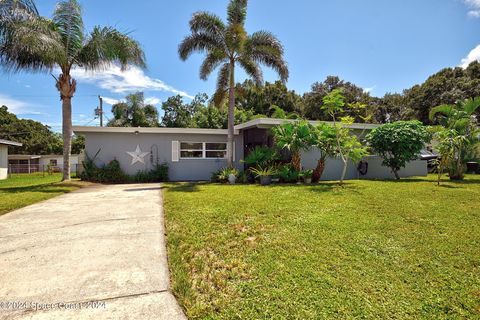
10	143
269	122
255	123
34	156
137	130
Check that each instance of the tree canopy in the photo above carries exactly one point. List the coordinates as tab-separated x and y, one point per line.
134	113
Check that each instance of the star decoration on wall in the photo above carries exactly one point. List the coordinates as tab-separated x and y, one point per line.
137	155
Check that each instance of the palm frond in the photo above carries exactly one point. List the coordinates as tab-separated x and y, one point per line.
237	12
471	105
32	44
107	45
445	109
252	69
207	23
211	62
265	39
17	10
198	42
222	85
69	22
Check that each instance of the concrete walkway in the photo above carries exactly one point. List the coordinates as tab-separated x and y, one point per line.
101	243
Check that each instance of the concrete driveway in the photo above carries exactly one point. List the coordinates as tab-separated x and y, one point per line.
96	253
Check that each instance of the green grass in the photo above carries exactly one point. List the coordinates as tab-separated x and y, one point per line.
21	190
374	249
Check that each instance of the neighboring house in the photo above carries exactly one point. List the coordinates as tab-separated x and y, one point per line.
4	144
193	154
21	163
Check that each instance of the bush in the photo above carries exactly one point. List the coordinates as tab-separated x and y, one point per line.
288	174
113	173
222	174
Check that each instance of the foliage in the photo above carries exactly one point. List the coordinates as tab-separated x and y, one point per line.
223	174
264	172
274	100
29	42
306	174
295	137
261	157
325	140
36	138
134	113
256	257
460	135
227	45
113	173
177	114
399	143
348	145
288	174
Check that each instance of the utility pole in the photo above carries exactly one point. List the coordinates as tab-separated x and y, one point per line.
99	111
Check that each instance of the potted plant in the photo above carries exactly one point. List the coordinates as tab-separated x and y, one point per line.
264	174
307	176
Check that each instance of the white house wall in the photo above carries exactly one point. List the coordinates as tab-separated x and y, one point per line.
3	162
116	145
45	160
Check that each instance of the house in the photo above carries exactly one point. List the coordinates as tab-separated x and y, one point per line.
4	144
193	154
25	163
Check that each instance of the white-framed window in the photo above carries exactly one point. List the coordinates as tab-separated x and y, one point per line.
53	162
203	150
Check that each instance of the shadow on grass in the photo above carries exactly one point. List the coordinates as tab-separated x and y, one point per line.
185	186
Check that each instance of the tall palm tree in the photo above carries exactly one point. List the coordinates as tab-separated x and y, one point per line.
226	45
34	43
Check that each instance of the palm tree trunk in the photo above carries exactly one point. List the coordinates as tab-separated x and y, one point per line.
296	161
318	172
231	115
67	136
67	87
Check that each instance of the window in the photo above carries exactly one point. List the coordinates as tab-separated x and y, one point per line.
203	150
53	162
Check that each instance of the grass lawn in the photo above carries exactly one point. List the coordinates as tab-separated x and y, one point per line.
373	249
21	190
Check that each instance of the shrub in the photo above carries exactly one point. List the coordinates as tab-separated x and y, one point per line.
222	174
159	173
261	157
288	174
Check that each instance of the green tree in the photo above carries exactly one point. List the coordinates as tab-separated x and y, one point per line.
29	42
134	113
460	132
225	46
177	114
398	143
295	137
325	140
348	145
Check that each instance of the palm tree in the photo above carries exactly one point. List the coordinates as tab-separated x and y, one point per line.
295	137
459	136
325	140
225	45
34	43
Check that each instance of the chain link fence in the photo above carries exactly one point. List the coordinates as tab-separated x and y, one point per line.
75	169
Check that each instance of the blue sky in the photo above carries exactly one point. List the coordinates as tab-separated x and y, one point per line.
382	46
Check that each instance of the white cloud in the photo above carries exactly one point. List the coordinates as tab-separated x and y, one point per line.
130	80
149	100
474	6
473	55
369	90
17	107
152	100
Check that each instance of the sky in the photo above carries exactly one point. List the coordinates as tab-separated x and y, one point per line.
381	46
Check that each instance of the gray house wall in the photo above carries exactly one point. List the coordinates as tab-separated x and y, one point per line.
3	162
334	166
116	145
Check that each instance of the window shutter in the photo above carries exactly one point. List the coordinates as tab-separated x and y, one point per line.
175	151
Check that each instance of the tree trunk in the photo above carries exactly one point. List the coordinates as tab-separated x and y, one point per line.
318	172
231	115
395	172
66	86
344	170
296	161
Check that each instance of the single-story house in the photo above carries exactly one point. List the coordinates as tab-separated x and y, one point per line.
4	144
192	154
28	163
